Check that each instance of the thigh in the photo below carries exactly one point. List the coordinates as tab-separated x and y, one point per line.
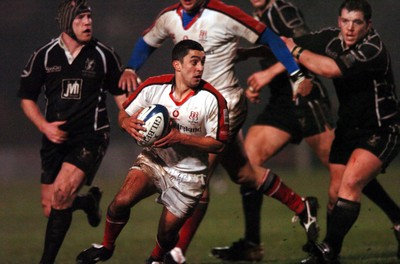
361	168
136	186
262	142
68	182
321	144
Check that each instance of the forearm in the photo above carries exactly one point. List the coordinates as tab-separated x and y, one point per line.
32	112
319	64
206	144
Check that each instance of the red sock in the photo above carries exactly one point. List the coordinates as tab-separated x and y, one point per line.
111	232
191	225
158	252
284	194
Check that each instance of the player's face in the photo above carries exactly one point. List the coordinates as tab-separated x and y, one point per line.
191	5
353	26
192	68
82	27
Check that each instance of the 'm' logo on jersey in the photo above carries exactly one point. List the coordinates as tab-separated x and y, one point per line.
71	89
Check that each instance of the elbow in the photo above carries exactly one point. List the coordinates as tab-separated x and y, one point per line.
218	148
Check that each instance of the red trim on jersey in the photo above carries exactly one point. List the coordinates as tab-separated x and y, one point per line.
237	14
233	12
223	123
181	102
166	78
165	10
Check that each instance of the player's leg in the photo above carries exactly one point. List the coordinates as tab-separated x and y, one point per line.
361	168
65	189
261	143
167	237
137	186
193	222
242	172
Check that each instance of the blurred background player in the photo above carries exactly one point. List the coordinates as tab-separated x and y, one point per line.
76	71
282	122
218	27
176	166
368	126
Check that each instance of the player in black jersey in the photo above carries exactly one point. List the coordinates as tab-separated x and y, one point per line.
282	122
368	127
75	72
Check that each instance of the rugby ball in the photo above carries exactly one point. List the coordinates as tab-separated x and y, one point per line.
156	122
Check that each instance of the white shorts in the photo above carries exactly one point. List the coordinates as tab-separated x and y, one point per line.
237	106
179	191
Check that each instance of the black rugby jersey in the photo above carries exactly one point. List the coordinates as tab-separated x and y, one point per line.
287	20
366	91
73	92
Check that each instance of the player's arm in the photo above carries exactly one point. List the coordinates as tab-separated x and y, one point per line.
300	84
206	144
131	124
318	64
129	80
49	129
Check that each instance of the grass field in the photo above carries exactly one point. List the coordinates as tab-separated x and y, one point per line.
22	225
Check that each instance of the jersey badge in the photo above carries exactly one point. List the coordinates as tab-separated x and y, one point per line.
71	89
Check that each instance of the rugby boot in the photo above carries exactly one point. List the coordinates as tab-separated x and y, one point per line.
94	214
94	254
175	256
242	250
321	254
308	220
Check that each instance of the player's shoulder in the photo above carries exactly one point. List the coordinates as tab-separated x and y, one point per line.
212	91
102	46
169	9
158	80
48	45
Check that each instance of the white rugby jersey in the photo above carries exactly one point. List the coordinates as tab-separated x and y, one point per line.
218	27
202	113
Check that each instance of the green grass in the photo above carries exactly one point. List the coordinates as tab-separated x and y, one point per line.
22	225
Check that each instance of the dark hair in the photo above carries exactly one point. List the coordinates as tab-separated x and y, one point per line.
357	5
183	47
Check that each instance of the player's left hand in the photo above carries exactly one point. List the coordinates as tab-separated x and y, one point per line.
300	84
173	137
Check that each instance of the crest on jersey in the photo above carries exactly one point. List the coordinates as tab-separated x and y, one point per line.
193	117
71	89
374	140
90	65
203	36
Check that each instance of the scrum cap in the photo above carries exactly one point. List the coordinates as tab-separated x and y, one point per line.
67	11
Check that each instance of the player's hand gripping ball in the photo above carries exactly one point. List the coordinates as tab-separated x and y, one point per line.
156	122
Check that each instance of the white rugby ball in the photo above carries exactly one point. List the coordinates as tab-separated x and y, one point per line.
156	122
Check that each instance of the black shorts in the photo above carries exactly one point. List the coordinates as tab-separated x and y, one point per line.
384	144
307	119
83	151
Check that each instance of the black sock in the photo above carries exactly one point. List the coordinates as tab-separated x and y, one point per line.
252	201
343	216
57	226
375	192
83	202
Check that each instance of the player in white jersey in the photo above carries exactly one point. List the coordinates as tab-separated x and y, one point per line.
219	27
176	165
